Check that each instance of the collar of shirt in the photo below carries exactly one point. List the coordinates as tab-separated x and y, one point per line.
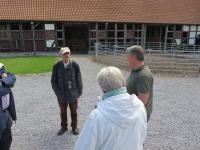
66	64
139	68
114	92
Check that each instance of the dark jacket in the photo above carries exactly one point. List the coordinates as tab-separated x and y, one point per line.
7	83
58	81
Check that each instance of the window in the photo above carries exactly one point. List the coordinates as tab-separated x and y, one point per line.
38	26
60	43
14	26
102	34
120	34
129	26
192	28
3	26
3	35
138	27
178	28
186	28
49	27
111	34
120	26
101	26
111	26
59	34
93	26
170	35
59	26
26	26
170	28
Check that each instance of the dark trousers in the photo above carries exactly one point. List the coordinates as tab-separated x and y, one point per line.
63	114
6	138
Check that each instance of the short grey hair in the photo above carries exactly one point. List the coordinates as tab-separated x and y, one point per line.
137	51
110	78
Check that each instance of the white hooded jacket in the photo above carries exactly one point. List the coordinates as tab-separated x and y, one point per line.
118	123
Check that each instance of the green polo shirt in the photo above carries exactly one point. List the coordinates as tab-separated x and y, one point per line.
141	81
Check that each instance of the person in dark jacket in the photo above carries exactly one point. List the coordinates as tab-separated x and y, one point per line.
66	82
7	108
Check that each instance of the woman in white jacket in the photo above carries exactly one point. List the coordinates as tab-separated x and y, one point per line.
119	122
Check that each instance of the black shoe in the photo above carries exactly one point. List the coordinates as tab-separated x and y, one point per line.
62	131
75	131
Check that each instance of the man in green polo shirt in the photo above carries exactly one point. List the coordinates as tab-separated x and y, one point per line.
140	81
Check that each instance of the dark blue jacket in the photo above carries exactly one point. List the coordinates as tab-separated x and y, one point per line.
7	83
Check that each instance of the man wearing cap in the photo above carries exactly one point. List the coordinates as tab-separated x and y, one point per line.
7	107
66	82
140	81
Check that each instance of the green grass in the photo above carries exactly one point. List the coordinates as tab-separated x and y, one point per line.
29	64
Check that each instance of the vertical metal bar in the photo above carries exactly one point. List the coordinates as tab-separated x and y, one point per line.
96	49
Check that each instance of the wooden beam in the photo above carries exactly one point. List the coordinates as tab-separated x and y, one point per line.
22	36
89	37
115	33
106	30
10	36
97	33
125	33
144	34
166	32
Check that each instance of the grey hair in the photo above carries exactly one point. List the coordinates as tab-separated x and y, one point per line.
137	51
110	78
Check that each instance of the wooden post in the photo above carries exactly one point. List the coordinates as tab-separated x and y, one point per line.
144	34
34	44
133	38
10	36
22	36
97	33
63	33
115	33
106	30
89	37
166	32
125	34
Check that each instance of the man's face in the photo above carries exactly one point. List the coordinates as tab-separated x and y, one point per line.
66	56
132	60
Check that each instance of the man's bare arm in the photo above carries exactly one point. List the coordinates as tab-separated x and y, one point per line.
144	97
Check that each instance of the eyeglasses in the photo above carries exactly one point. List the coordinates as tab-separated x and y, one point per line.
67	53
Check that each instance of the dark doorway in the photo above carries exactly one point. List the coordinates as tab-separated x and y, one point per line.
155	33
77	38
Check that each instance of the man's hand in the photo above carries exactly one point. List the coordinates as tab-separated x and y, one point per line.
4	75
144	97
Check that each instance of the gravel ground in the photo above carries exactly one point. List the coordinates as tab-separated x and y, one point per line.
174	125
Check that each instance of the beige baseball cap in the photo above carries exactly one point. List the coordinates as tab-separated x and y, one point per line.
64	50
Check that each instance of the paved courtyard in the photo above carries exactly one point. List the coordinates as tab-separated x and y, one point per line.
174	125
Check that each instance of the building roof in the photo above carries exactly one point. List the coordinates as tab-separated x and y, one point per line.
143	11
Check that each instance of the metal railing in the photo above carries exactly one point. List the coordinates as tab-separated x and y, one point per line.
180	60
153	47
